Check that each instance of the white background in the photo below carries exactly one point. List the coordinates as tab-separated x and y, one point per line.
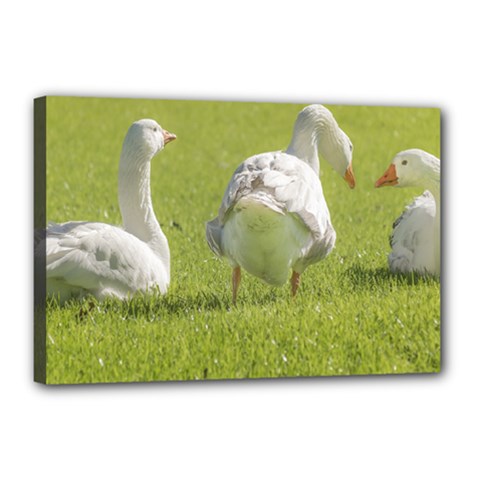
368	52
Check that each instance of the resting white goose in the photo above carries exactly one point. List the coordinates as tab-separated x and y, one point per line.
415	239
103	260
274	217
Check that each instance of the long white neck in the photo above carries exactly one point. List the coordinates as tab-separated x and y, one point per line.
316	132
304	146
136	203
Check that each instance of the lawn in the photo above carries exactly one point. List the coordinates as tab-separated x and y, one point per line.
350	316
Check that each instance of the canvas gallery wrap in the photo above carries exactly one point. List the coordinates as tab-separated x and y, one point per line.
196	240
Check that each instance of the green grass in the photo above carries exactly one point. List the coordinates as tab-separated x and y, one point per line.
351	316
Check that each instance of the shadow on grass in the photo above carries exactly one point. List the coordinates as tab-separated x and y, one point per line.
204	301
154	305
142	305
372	278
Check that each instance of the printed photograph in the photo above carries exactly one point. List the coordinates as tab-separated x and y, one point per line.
180	240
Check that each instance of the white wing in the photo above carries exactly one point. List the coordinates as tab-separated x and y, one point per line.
100	259
412	239
285	184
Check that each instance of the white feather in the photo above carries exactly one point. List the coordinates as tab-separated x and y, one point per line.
273	216
104	260
415	240
413	237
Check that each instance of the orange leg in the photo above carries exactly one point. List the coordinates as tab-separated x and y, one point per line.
295	282
236	277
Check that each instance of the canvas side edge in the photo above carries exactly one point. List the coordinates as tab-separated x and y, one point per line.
39	234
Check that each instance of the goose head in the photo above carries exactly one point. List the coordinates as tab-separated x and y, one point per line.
146	138
410	168
316	125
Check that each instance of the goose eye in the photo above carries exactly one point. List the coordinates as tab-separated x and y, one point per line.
351	147
404	162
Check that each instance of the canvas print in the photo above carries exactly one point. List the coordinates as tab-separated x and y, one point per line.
210	240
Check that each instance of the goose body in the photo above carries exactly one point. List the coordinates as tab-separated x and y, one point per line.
273	218
415	239
105	260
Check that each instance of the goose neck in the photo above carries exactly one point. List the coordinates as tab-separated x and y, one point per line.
136	207
304	146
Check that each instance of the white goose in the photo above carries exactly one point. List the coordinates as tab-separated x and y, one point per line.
274	216
103	260
415	239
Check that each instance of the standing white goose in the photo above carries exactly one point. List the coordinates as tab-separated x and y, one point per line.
103	260
274	216
415	239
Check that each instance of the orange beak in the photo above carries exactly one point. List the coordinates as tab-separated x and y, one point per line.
350	177
168	137
388	178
